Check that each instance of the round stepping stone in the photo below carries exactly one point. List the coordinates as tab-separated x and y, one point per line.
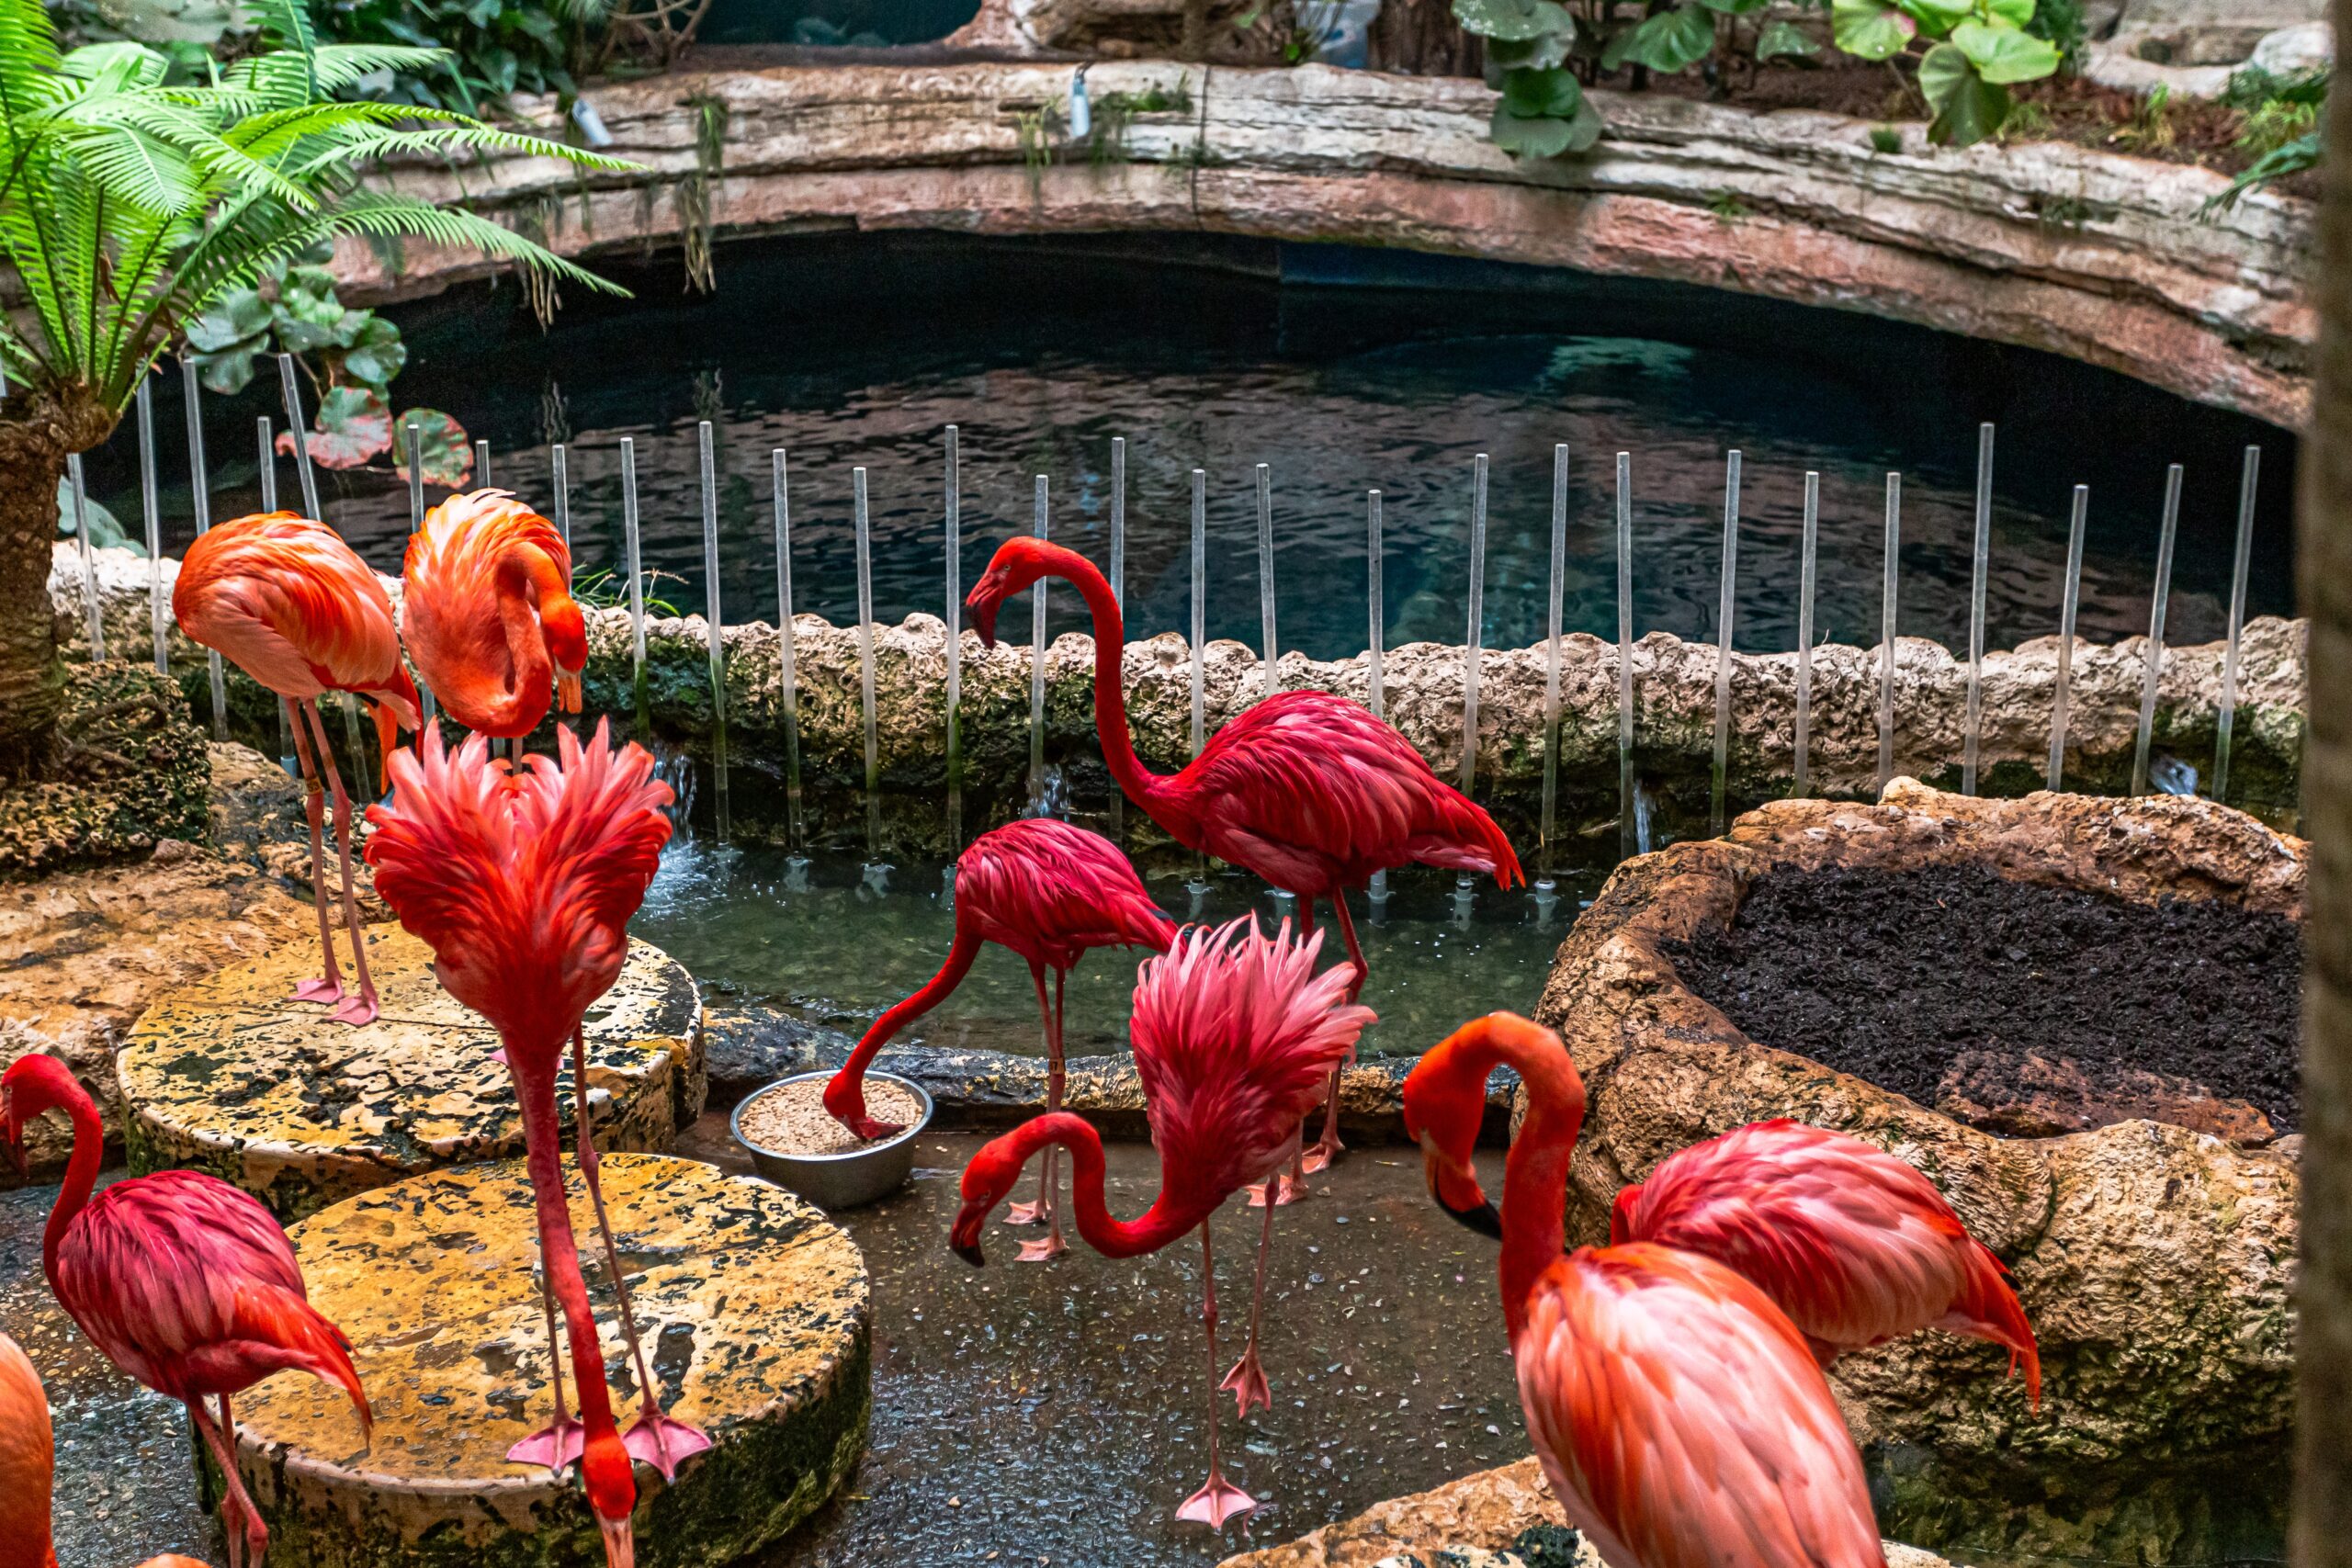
755	1310
232	1076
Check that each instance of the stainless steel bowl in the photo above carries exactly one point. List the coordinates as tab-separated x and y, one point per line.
842	1180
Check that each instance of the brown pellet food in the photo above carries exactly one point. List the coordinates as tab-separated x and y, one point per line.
791	1119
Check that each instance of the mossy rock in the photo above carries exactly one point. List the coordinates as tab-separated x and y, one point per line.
229	1075
754	1309
127	769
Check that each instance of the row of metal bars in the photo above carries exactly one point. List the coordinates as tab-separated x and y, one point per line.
1474	639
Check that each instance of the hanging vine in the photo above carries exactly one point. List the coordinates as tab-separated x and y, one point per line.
696	191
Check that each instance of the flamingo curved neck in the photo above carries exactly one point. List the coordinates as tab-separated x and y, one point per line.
1110	676
1167	1218
936	990
81	1176
1535	1174
526	648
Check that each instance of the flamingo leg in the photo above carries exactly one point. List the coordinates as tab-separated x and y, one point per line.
557	1446
360	1008
1247	1381
1326	1147
659	1440
1050	1246
328	987
240	1522
1218	1499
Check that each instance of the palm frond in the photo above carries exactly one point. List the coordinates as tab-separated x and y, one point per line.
386	215
361	150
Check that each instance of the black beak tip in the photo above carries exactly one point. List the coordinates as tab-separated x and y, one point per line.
969	1251
1484	1219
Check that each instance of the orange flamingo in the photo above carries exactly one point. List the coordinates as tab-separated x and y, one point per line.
1048	891
1855	1246
1677	1411
1306	789
182	1281
28	1466
486	606
1233	1035
523	883
293	606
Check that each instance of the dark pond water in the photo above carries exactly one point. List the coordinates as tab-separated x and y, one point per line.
1343	369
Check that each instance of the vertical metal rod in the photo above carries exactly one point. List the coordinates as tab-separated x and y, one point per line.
1627	836
2167	531
1200	608
299	428
780	485
415	474
1980	563
954	483
200	498
93	617
2069	600
714	625
1266	576
633	554
1475	649
560	488
1554	587
2248	482
270	503
1119	592
1807	555
481	464
1376	611
1724	606
1886	631
865	627
1041	527
159	609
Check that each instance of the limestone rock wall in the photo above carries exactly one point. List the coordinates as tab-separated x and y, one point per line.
2095	255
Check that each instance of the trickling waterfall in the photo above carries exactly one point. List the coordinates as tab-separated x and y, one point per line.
1645	806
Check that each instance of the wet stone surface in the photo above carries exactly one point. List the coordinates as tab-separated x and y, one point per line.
227	1076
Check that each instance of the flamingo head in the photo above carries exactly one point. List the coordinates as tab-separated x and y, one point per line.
611	1483
31	1085
845	1103
1018	563
987	1181
1443	1113
1621	1215
566	630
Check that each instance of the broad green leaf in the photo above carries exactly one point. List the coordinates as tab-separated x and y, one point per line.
1869	29
378	355
238	317
227	373
1784	38
1529	54
2014	13
447	452
1541	95
1735	7
1671	41
1514	21
107	531
1547	137
353	425
1968	108
2003	54
1937	16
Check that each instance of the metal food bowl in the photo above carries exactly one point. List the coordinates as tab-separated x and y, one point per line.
843	1180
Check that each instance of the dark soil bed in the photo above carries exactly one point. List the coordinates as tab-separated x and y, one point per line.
2025	1009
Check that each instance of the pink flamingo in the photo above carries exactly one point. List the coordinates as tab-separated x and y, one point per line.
28	1469
180	1279
1855	1246
1234	1034
1305	789
522	884
293	606
1677	1412
487	609
1048	891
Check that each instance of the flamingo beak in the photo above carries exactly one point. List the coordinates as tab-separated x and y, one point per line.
982	609
621	1541
1473	1209
965	1239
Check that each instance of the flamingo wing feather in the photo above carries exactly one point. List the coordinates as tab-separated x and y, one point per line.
1049	890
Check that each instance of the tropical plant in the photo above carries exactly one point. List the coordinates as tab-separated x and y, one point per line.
1975	50
129	207
1534	43
2281	127
490	49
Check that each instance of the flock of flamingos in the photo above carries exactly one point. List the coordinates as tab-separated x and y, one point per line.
1672	1380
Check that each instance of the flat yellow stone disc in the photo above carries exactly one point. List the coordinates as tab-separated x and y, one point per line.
753	1308
232	1076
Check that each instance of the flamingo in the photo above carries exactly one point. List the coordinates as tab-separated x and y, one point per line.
1048	891
486	606
523	883
293	606
180	1279
1855	1246
1307	790
1677	1412
1234	1034
28	1463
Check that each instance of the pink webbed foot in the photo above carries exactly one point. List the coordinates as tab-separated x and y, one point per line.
318	991
1024	1214
355	1011
664	1441
1247	1383
1286	1191
1216	1502
1321	1156
1044	1249
556	1448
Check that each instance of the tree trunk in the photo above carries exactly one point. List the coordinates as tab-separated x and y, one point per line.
1421	37
2321	1532
37	432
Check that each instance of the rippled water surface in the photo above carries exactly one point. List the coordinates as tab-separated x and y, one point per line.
858	350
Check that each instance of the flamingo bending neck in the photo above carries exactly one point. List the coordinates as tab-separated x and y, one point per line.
51	1086
1170	1215
846	1094
1142	785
